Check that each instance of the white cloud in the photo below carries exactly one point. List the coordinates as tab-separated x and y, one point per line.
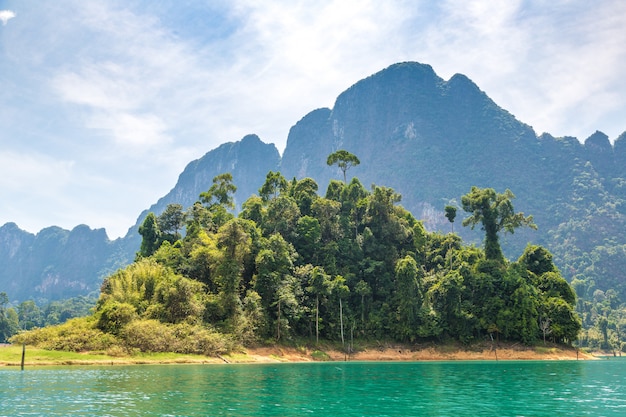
294	57
136	131
6	15
31	186
37	173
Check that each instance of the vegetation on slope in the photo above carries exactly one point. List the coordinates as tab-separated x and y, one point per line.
350	265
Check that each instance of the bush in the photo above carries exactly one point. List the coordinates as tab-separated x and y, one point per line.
75	335
154	336
148	336
113	316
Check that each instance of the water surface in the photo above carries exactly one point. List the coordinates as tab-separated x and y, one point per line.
519	388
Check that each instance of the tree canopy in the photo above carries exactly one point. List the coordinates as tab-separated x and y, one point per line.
344	160
495	213
294	264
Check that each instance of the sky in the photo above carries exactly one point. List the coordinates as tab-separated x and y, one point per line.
103	104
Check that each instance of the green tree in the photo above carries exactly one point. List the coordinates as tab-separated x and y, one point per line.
221	192
327	214
537	260
408	298
364	290
495	213
446	300
344	160
198	217
274	184
308	235
281	217
274	265
304	192
9	322
342	291
171	221
320	285
234	245
29	315
450	215
254	209
564	322
113	316
151	236
182	299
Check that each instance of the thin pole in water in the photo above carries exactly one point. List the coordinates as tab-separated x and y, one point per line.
23	355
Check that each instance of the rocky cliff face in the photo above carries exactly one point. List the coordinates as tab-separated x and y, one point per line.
248	160
56	263
428	138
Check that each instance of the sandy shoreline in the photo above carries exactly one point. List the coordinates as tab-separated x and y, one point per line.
284	354
400	353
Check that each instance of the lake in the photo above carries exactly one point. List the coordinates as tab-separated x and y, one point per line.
518	388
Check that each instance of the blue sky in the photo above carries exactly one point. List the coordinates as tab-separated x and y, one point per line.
103	103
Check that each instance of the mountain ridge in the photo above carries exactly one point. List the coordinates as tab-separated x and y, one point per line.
428	138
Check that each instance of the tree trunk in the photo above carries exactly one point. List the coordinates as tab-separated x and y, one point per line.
341	322
278	323
363	311
317	319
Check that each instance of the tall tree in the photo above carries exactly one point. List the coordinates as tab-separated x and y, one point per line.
344	160
305	193
234	244
495	213
320	285
149	231
171	221
363	289
221	191
274	184
342	291
408	297
450	215
274	264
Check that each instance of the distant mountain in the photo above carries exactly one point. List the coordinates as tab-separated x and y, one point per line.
56	263
429	139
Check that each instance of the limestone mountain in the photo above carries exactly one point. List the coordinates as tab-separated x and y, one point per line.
428	138
56	263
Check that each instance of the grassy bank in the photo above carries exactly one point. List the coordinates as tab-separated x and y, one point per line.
11	355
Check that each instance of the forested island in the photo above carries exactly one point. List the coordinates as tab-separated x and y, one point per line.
296	266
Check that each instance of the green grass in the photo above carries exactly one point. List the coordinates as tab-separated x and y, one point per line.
545	350
318	355
12	356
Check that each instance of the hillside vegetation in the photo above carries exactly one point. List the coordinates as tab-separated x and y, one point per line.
295	265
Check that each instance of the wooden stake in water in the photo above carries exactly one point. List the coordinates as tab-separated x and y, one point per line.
23	355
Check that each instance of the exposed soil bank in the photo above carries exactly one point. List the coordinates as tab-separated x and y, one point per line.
277	354
412	353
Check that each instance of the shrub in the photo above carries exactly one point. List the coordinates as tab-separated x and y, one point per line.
154	336
148	336
113	316
75	335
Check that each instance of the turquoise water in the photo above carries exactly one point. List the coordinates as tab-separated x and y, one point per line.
560	388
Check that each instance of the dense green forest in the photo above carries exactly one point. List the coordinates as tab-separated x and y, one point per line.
294	265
